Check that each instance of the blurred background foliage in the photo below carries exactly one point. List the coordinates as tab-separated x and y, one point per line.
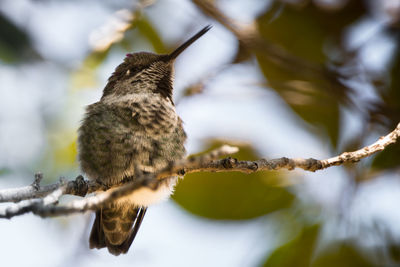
307	54
228	195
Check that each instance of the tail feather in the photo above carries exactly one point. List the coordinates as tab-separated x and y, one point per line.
116	228
124	247
96	239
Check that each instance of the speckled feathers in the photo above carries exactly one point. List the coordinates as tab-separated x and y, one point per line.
134	125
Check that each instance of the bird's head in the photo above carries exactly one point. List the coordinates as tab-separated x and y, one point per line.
147	71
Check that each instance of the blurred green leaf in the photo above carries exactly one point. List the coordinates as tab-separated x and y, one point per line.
386	113
95	59
394	251
85	76
386	110
15	43
147	30
297	68
343	255
393	98
305	31
388	158
232	195
65	154
60	157
297	252
4	171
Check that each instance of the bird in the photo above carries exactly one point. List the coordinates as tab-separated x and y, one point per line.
133	128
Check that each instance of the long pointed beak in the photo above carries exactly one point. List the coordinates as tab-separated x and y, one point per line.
186	44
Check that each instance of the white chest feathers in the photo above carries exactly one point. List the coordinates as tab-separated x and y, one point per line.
144	197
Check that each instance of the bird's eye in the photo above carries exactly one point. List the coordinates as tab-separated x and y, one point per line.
129	55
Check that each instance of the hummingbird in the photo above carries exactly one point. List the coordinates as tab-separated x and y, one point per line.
133	129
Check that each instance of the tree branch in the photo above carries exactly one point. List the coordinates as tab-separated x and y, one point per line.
78	187
34	202
42	200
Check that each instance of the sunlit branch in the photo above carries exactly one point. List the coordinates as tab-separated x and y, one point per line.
39	200
43	200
